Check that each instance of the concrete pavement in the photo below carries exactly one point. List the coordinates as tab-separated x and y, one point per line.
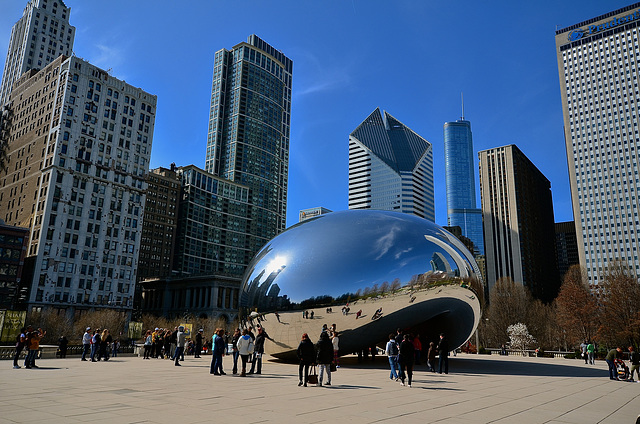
479	389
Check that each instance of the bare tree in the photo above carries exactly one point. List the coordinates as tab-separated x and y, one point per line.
620	324
508	303
576	307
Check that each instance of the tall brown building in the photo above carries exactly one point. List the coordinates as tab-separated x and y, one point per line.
160	224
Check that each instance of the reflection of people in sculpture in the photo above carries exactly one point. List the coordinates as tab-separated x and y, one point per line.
358	314
377	314
311	315
277	316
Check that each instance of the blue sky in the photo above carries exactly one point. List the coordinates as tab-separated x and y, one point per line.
412	58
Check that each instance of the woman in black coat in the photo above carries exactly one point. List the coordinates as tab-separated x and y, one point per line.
307	355
406	359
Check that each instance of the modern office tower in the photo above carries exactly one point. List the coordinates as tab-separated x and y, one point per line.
13	249
312	213
390	168
40	36
249	122
566	246
212	249
517	213
79	143
462	210
598	66
213	225
159	224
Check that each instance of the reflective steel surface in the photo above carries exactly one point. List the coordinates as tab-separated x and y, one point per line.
368	272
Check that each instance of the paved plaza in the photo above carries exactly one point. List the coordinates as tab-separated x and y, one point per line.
479	389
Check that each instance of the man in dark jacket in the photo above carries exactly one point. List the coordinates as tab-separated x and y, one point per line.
634	359
324	349
259	350
307	356
198	343
407	353
611	356
443	353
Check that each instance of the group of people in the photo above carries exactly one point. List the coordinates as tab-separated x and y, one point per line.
403	351
98	344
28	338
615	354
589	349
324	354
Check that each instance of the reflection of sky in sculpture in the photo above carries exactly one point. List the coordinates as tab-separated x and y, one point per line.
342	252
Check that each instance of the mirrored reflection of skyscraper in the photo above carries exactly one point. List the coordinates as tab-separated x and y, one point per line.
390	168
249	121
462	210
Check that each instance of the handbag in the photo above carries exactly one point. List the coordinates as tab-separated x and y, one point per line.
313	376
333	367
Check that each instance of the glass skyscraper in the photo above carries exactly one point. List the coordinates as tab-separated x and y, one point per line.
461	185
248	139
390	168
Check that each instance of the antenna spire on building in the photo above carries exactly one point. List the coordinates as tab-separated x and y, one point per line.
462	98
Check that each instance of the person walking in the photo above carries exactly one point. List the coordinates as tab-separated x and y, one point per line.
591	353
307	355
245	348
324	349
217	351
407	354
443	354
63	342
392	350
181	339
431	357
198	343
583	349
634	360
611	356
21	342
86	343
147	344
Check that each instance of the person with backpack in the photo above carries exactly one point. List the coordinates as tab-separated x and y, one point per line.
21	341
392	352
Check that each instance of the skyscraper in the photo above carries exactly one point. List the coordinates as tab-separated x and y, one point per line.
390	167
519	231
462	210
40	36
79	143
249	122
598	66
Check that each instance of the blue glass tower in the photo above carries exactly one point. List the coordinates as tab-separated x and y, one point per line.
460	181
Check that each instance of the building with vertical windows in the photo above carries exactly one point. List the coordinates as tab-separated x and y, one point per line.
159	224
566	246
40	36
462	210
13	249
79	142
249	125
598	64
519	231
390	167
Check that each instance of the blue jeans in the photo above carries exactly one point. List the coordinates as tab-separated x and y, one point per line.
236	355
393	363
613	374
85	350
94	348
179	352
30	360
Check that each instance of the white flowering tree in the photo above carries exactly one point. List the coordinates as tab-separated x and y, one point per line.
520	337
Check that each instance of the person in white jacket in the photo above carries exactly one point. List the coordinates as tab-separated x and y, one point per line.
245	348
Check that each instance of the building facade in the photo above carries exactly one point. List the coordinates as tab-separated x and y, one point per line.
462	210
518	223
390	168
598	67
40	36
213	225
13	249
249	125
79	144
566	246
159	224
